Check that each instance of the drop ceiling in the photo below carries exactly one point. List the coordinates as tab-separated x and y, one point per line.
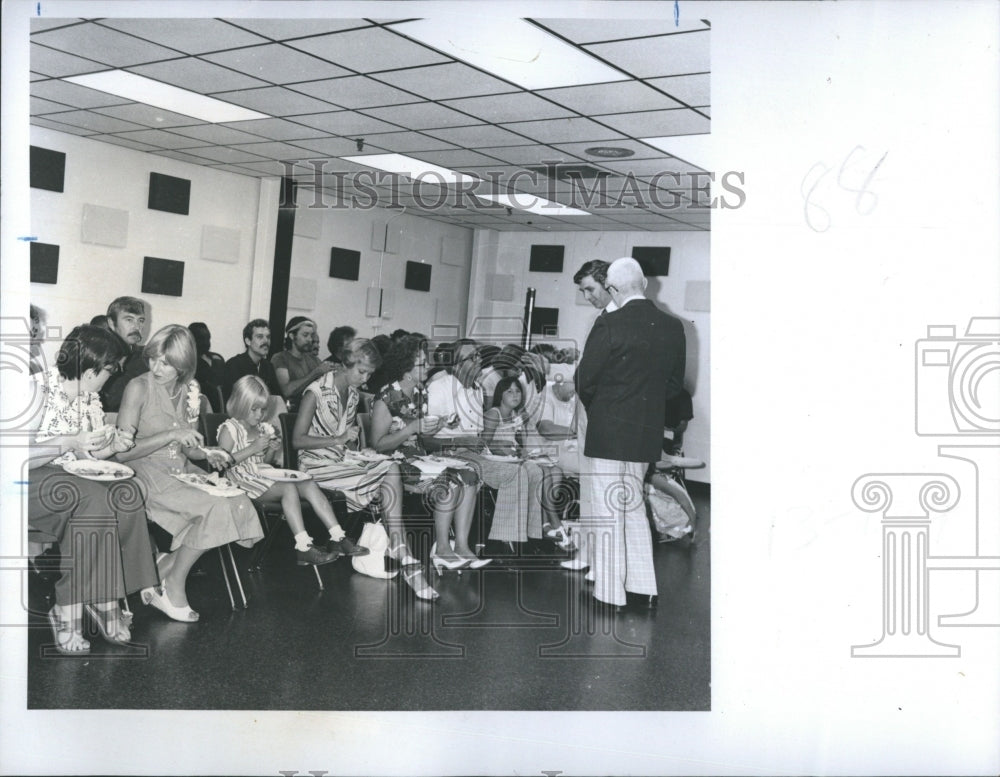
326	84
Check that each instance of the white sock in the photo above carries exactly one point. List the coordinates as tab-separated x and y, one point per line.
337	533
303	541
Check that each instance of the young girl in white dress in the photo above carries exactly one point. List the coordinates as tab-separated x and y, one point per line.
252	442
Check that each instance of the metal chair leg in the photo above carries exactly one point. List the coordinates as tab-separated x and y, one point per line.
236	572
225	578
319	580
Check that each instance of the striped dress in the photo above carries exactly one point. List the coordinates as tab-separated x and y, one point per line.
245	474
359	482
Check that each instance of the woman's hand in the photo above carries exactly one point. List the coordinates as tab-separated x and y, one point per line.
93	441
431	425
123	440
348	437
188	438
217	459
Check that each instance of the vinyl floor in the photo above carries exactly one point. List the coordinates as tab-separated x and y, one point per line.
520	634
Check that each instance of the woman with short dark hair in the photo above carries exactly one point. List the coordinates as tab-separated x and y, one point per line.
100	525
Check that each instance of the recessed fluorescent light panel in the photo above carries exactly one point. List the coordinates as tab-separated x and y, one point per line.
533	204
513	49
411	168
694	149
160	95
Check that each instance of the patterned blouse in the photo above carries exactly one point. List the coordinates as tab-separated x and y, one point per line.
62	415
403	410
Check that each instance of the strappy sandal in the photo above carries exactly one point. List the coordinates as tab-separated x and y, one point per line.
162	603
73	644
120	635
414	577
558	536
407	560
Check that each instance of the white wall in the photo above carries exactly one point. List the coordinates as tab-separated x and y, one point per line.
334	302
90	276
507	253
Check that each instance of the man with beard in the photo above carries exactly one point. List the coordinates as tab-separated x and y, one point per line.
127	319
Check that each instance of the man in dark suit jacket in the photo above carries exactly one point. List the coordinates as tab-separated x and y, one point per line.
634	357
127	319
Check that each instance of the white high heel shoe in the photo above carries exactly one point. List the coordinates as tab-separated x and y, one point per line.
438	562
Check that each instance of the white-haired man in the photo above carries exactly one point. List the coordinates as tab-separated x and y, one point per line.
634	356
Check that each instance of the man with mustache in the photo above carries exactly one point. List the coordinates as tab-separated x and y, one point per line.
127	319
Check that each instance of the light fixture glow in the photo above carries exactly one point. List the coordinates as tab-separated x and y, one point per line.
411	168
694	149
533	204
513	49
169	98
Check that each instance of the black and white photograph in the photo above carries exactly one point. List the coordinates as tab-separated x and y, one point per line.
431	388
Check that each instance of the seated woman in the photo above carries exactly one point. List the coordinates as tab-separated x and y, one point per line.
100	526
163	407
505	432
327	425
251	441
397	423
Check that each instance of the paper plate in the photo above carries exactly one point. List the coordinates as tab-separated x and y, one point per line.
220	487
96	469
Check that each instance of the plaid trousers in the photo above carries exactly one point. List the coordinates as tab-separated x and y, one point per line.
616	530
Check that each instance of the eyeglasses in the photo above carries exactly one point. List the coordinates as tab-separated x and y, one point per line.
612	289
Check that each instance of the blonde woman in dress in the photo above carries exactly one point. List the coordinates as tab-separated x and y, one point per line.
327	427
163	406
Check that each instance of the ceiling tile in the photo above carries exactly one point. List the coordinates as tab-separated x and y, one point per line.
355	92
563	130
369	50
665	55
40	121
345	123
148	115
441	82
693	90
224	154
269	167
593	30
276	63
217	134
95	122
617	97
454	160
654	124
73	94
58	64
534	154
159	138
275	101
640	150
126	142
39	107
405	142
276	129
274	150
103	45
39	24
192	36
282	29
180	155
516	106
330	147
419	116
477	136
197	75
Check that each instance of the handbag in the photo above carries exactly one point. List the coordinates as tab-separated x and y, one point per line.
375	538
